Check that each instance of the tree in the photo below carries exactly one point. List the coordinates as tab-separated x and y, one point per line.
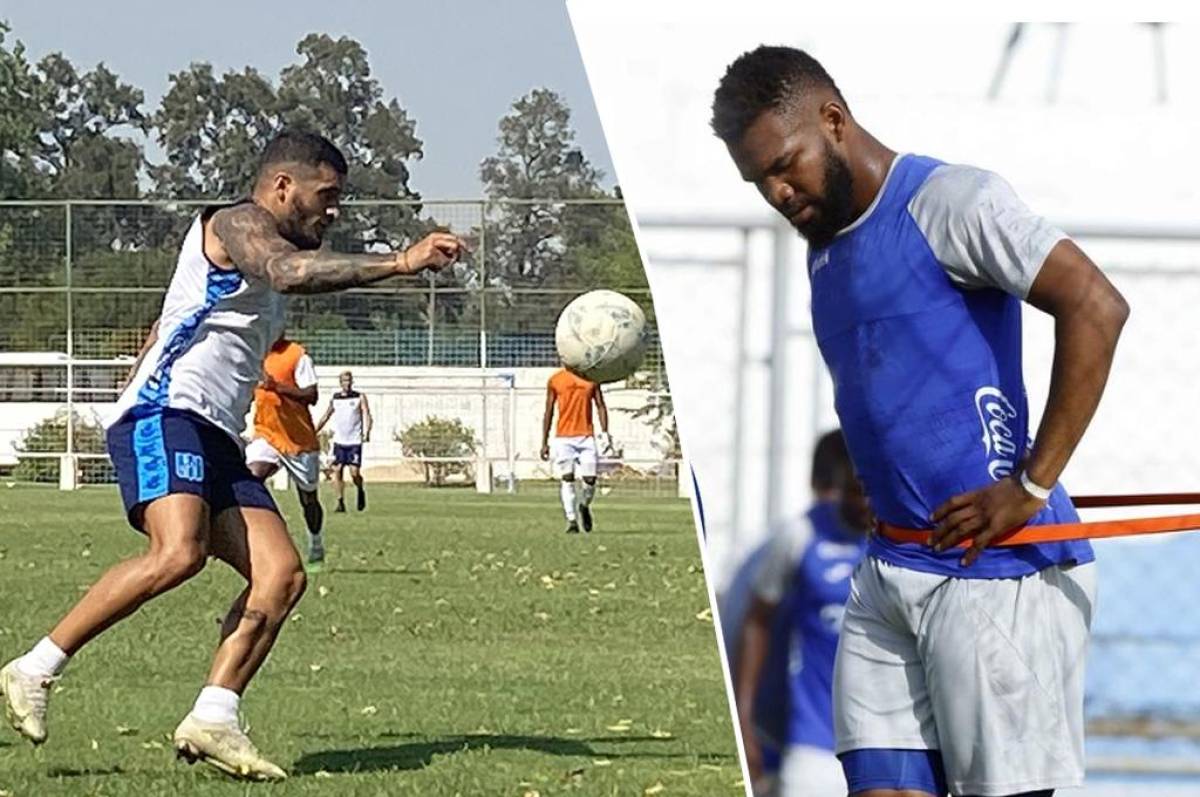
536	160
20	117
213	130
81	154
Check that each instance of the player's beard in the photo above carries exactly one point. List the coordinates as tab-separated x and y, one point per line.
836	206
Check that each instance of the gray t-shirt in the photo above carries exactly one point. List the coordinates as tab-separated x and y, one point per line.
980	231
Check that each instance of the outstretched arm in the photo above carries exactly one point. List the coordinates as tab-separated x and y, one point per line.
254	246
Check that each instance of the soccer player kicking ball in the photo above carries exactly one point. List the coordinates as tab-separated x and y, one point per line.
175	440
574	441
284	434
957	669
351	428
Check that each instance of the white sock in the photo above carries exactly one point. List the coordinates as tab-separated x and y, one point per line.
568	500
587	493
217	704
315	539
45	660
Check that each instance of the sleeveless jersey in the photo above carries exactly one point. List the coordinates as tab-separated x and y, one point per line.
347	420
215	328
927	376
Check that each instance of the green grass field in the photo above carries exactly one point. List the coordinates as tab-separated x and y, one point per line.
456	644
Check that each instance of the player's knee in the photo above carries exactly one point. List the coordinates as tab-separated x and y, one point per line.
174	564
283	589
295	586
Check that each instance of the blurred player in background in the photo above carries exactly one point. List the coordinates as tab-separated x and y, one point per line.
959	671
795	616
175	440
284	434
351	428
574	447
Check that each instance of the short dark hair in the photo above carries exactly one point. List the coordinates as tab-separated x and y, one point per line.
766	78
299	146
831	464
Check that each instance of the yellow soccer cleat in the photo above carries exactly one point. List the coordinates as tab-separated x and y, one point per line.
226	747
25	699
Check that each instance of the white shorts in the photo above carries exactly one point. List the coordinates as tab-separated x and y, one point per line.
989	672
810	772
574	455
304	468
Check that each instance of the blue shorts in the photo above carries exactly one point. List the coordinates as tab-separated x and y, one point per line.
347	455
174	451
891	768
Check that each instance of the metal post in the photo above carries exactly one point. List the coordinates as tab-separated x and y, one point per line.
739	394
482	260
67	471
70	337
778	367
429	327
512	432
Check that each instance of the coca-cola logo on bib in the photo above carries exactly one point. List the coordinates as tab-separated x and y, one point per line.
996	412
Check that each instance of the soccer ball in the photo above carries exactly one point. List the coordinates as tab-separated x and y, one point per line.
601	336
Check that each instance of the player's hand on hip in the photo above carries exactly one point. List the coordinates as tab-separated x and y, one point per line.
982	515
435	251
545	451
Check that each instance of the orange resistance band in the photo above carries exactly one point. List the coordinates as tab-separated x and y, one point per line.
1059	532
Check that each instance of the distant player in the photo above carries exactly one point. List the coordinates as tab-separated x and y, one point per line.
284	434
799	595
351	428
175	440
574	448
958	669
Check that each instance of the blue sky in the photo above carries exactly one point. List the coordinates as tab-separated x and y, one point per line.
455	65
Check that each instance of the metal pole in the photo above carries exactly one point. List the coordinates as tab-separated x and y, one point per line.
70	339
429	327
778	367
739	395
512	433
483	349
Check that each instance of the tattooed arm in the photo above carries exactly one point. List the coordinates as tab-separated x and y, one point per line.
253	244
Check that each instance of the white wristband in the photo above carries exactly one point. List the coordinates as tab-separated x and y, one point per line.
1036	490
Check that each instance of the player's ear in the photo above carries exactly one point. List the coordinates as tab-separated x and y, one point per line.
833	119
281	182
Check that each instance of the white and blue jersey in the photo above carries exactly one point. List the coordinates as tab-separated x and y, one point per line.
807	575
917	312
177	426
214	332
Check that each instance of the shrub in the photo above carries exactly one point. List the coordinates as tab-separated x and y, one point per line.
50	436
439	437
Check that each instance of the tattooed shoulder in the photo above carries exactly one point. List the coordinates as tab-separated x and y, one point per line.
251	238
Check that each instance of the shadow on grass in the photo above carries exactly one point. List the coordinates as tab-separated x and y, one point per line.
419	754
374	571
59	772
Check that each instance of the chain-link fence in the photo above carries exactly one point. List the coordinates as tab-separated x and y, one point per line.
81	282
752	395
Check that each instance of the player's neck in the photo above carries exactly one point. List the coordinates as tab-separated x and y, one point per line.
869	170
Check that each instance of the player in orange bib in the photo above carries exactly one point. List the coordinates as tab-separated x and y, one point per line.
284	435
574	441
